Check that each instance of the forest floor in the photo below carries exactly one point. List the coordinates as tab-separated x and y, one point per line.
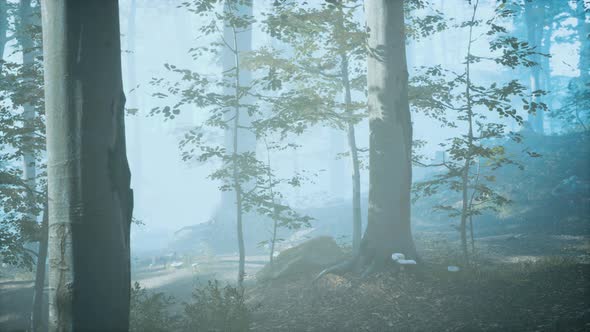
518	282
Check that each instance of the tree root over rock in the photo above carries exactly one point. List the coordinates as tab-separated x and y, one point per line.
363	265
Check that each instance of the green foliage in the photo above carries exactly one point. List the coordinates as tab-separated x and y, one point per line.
213	308
323	54
21	84
421	24
216	308
457	100
151	311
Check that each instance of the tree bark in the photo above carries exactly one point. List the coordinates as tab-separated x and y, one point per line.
90	201
390	176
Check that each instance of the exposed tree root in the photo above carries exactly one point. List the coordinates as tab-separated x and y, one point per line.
364	265
340	268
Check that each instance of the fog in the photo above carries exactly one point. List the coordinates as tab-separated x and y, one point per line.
281	165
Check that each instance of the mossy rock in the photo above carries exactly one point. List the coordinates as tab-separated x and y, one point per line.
308	257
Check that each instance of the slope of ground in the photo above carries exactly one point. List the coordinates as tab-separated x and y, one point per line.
527	294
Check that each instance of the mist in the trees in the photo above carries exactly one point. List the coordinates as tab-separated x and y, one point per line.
283	165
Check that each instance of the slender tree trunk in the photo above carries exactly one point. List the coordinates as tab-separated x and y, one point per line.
534	16
273	240
473	193
357	223
237	182
388	226
90	201
464	211
37	311
29	161
239	211
247	140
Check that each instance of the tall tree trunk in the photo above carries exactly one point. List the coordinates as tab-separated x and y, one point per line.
37	311
534	17
29	161
390	176
357	223
90	201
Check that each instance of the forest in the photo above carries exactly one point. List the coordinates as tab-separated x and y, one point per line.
291	165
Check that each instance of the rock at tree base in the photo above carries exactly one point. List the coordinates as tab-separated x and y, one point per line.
308	257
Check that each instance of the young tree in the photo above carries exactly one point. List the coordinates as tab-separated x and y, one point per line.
246	138
90	202
328	59
228	99
453	98
267	200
